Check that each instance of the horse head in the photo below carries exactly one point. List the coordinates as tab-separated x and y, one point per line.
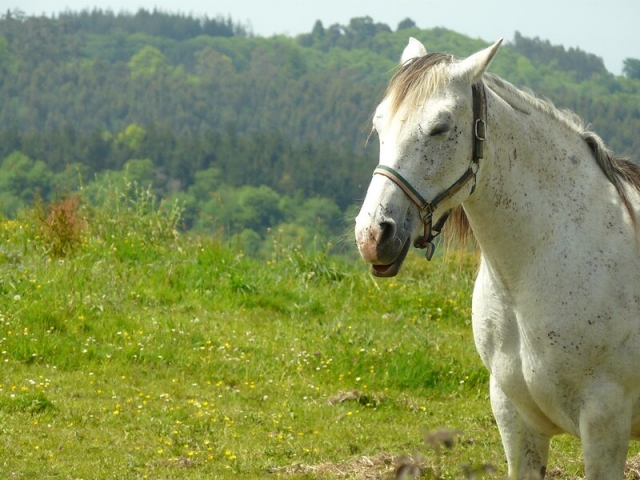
427	123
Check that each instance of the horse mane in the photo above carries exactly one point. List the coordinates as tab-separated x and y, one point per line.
619	171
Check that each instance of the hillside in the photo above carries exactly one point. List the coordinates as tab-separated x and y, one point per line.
225	121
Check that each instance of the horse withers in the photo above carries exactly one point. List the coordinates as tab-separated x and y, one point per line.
556	303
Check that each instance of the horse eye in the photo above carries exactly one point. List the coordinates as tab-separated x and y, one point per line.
439	129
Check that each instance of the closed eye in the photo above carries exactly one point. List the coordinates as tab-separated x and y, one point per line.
439	129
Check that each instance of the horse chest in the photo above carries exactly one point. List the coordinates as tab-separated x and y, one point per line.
536	383
537	368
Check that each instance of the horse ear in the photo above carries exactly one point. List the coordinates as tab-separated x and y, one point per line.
414	49
473	67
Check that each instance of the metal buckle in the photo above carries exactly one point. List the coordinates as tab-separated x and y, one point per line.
480	136
426	212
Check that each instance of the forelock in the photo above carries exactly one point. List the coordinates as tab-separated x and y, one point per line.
415	80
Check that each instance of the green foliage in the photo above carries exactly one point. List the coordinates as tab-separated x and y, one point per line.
542	53
132	137
156	22
21	179
319	87
288	113
632	68
130	213
147	62
249	134
317	213
406	24
141	171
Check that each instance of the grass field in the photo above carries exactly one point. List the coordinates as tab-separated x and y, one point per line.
130	351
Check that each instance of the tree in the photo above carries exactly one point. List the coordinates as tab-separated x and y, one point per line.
631	68
318	215
259	208
542	53
363	29
132	137
147	62
406	23
21	179
5	55
318	29
206	182
213	65
140	170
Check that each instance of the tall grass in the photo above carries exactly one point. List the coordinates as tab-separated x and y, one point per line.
135	351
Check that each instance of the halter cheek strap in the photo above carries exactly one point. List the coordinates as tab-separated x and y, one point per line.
427	208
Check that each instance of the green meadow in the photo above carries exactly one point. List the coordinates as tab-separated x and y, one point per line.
130	350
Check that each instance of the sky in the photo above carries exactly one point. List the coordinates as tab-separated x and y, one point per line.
609	29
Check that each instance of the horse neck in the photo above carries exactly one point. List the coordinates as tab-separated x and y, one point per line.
529	185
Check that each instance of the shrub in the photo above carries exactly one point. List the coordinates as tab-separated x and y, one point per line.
61	225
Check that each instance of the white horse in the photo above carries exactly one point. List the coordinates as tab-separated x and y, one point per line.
556	304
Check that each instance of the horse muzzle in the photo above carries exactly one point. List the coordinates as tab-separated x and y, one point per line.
383	247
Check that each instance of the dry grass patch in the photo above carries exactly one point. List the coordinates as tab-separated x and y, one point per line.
385	466
379	466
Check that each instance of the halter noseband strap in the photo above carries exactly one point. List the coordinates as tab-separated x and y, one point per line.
427	208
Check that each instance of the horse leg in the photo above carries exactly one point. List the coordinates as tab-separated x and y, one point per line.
605	426
527	450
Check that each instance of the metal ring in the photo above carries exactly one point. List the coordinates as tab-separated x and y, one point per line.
480	137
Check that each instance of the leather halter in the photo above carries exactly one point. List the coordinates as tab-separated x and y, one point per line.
427	208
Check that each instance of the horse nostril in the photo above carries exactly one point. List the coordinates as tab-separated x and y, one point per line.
386	233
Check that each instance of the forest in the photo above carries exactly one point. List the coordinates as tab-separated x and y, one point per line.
250	135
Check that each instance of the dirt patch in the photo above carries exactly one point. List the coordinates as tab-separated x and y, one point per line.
632	472
385	466
363	468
